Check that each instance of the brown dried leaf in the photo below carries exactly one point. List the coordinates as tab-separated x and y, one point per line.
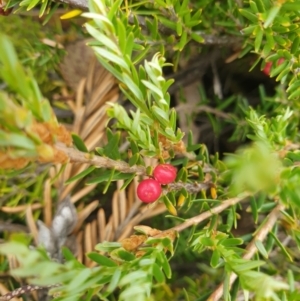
172	234
147	230
133	242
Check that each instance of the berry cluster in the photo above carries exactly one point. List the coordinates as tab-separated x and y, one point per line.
149	190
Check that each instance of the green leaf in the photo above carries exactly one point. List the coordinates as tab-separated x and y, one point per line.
281	246
260	247
131	277
110	56
106	175
79	143
167	22
295	94
241	265
121	33
16	140
32	4
161	115
114	281
128	181
68	255
183	41
197	38
79	279
158	274
272	15
215	258
113	9
80	175
260	5
43	8
109	180
171	208
123	255
153	88
107	246
231	242
134	159
101	259
207	241
132	86
165	264
254	210
129	44
102	38
111	149
253	18
279	68
295	45
110	68
258	39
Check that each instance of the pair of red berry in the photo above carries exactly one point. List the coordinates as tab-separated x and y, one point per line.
149	190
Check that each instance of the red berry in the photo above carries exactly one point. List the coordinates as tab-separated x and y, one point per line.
149	190
165	173
267	68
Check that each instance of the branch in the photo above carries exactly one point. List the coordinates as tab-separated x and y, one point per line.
207	214
25	289
203	108
82	4
251	248
190	187
80	157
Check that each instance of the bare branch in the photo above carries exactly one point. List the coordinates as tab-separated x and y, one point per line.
251	248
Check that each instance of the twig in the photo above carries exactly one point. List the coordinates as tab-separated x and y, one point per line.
203	216
81	157
190	187
82	4
25	289
203	108
251	248
4	226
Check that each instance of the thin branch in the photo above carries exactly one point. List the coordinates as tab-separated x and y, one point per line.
251	248
82	4
25	289
81	157
207	214
5	226
203	108
190	187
